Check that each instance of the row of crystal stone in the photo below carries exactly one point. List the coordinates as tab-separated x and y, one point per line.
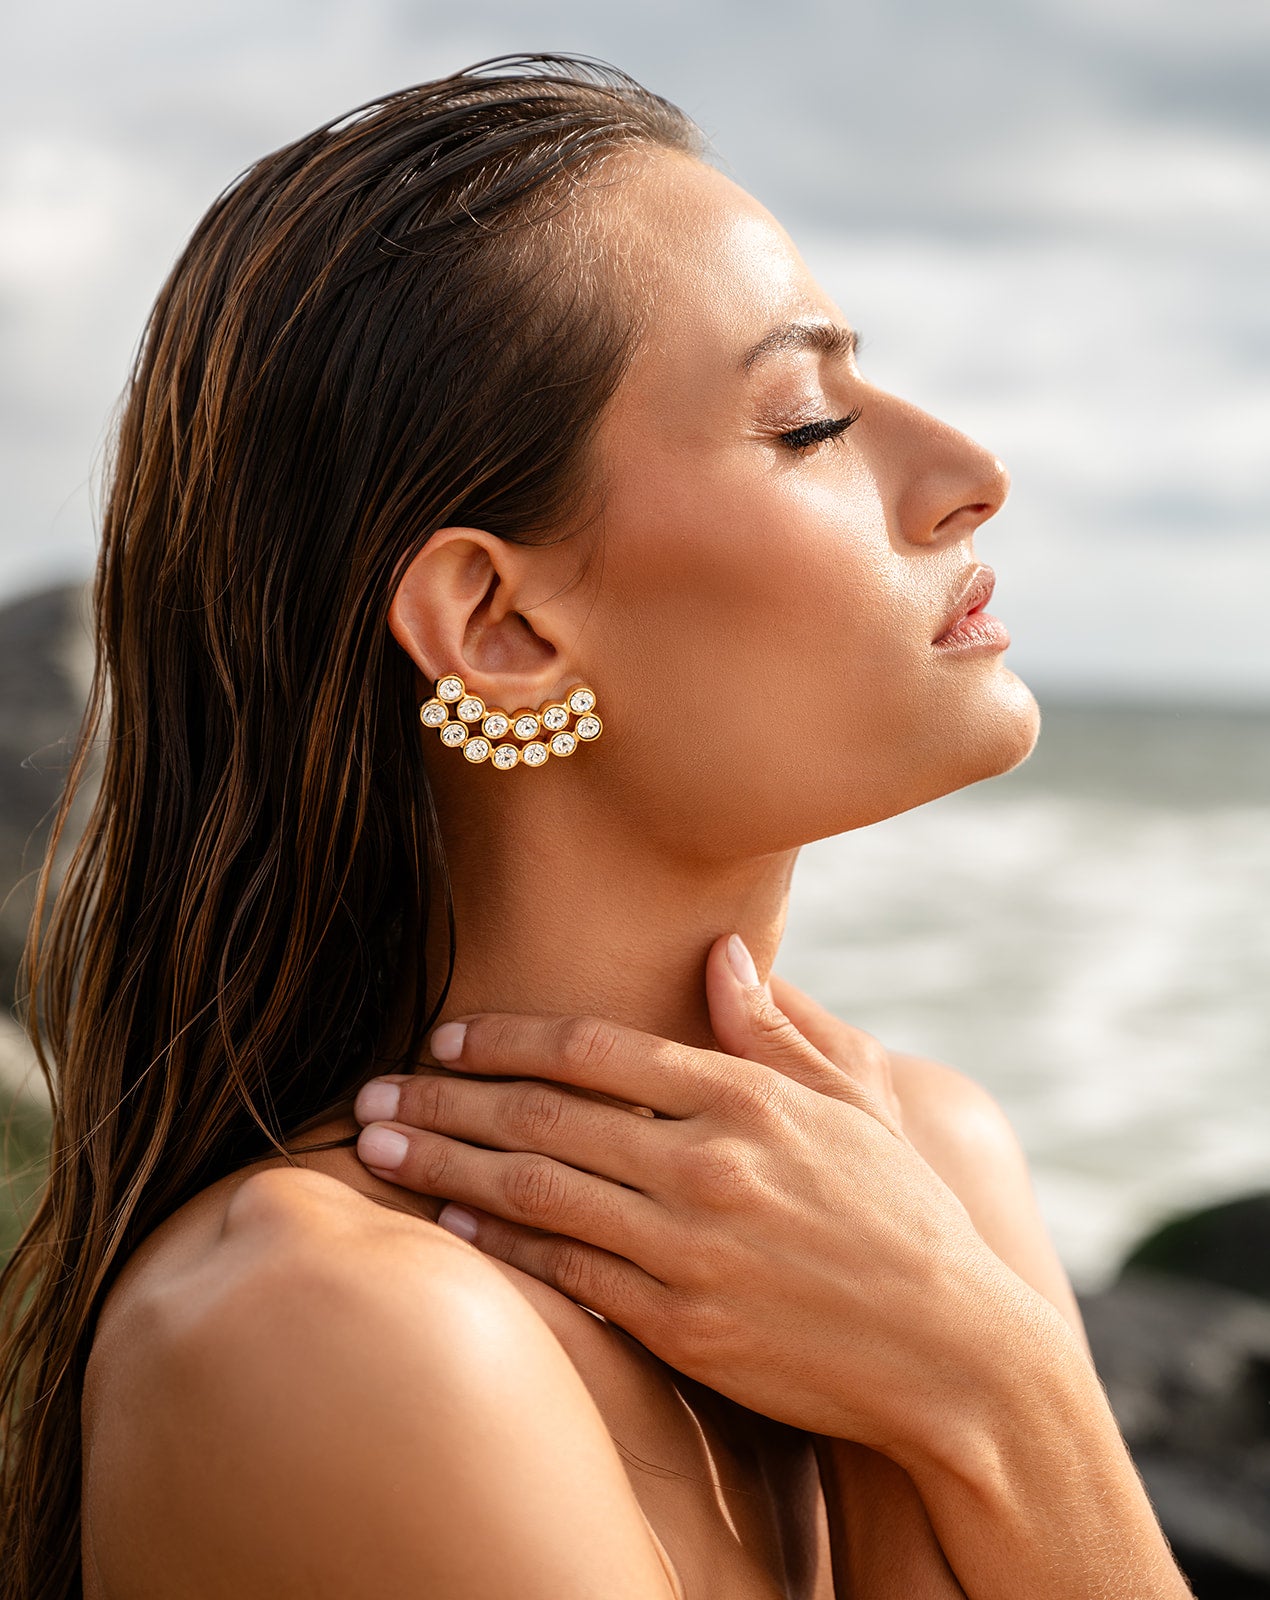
470	709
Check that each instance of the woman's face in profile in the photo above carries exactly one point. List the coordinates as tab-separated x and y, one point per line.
769	606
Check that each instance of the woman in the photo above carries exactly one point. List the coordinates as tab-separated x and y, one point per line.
493	417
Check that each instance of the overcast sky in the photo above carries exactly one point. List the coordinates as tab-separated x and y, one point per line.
1050	218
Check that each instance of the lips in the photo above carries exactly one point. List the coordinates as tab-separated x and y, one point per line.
975	594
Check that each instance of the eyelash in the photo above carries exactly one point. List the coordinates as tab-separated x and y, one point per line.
817	432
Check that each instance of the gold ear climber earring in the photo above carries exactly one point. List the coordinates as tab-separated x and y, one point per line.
466	723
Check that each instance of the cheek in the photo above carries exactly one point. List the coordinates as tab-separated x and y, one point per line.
754	620
768	596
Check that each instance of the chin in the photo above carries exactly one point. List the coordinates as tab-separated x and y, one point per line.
932	752
989	730
1001	733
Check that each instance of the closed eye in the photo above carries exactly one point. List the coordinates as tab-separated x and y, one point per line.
817	432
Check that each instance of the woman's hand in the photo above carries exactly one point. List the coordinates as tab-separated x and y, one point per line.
756	1218
852	1051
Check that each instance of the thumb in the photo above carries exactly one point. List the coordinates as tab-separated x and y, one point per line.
748	1023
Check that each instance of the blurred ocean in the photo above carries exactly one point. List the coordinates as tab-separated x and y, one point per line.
1089	937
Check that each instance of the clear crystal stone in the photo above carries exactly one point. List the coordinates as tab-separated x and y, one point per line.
581	700
450	688
555	717
526	727
507	755
476	749
588	727
433	713
454	733
533	755
470	710
563	744
496	724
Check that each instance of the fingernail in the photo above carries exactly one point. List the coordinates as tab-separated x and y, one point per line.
382	1147
446	1043
741	961
454	1219
377	1101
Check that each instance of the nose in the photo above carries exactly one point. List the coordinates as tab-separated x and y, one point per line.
948	484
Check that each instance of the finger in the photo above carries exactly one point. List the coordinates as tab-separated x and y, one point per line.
529	1189
831	1036
858	1053
589	1052
748	1023
616	1288
527	1114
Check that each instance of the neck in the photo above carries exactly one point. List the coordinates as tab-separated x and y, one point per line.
563	906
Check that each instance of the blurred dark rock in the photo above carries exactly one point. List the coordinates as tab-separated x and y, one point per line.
1226	1244
45	663
1185	1361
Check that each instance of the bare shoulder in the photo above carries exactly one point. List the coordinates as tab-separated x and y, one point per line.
945	1107
963	1132
334	1399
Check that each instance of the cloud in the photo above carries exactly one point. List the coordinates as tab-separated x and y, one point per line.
1051	218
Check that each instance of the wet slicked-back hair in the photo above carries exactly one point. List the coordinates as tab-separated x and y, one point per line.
381	329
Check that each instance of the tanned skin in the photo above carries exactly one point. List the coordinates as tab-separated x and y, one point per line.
799	1333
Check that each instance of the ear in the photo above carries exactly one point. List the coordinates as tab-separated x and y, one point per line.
464	605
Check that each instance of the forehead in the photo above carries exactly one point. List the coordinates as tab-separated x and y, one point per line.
712	269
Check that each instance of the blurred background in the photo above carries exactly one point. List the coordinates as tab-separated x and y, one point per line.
1051	221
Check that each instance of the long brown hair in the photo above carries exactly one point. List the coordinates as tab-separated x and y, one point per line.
378	330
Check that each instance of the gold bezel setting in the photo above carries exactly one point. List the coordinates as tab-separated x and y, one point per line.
471	708
485	733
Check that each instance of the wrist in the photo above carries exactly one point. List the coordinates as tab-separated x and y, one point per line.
1013	1362
1027	1479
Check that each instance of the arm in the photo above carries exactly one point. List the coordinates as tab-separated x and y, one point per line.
773	1233
1035	1493
1026	1492
880	1535
882	1540
1039	1495
1030	1488
354	1408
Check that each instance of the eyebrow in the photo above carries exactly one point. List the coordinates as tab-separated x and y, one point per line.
827	337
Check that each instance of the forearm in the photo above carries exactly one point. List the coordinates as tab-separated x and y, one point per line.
1030	1488
880	1535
